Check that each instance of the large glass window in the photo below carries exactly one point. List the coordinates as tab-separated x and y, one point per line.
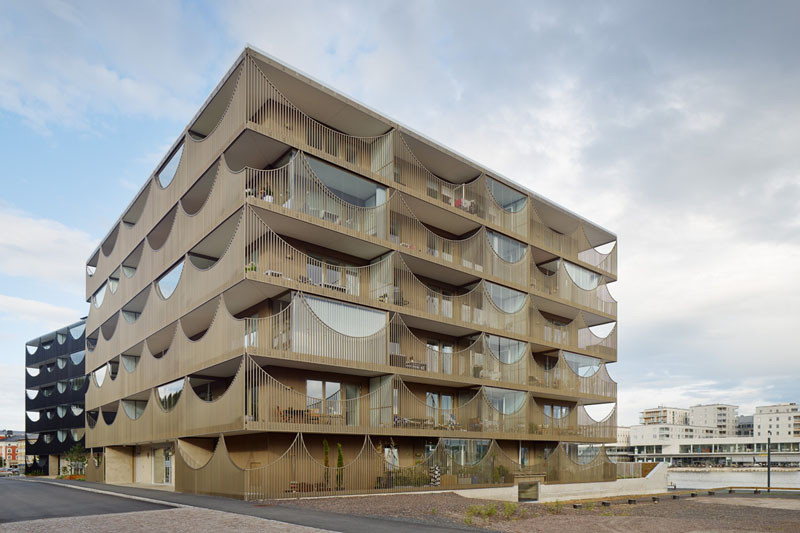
347	186
506	350
77	357
505	401
506	299
324	397
585	279
169	393
134	408
509	199
465	451
348	319
583	365
508	249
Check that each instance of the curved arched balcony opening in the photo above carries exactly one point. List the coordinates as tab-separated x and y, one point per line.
61	363
108	244
33	416
166	174
134	406
257	152
76	409
168	281
158	343
130	357
77	357
77	330
134	212
508	199
32	348
99	375
99	295
131	263
195	323
109	326
583	365
91	340
195	198
113	368
159	234
168	394
132	310
78	383
77	434
109	412
61	336
91	418
33	371
508	300
208	251
91	264
213	383
214	110
113	280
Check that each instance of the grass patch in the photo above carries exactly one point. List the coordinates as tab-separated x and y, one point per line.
554	508
509	509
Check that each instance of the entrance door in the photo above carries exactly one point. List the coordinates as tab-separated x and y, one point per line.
162	465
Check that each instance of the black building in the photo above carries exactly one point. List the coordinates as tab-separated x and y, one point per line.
55	386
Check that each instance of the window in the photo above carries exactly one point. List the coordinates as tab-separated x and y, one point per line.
507	350
440	408
169	394
506	248
508	300
324	397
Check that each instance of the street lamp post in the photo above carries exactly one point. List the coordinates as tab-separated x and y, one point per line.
769	460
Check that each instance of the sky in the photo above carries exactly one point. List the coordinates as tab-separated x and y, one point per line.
674	124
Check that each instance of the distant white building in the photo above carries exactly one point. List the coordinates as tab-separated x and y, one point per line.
664	415
782	419
719	415
715	443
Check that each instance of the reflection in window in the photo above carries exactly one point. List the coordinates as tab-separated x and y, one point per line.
77	357
62	435
168	282
167	172
583	365
113	281
504	400
61	362
509	199
130	362
33	415
78	382
76	409
77	434
48	438
440	408
331	391
508	249
61	386
585	279
33	372
134	408
347	186
169	394
100	375
509	300
465	451
77	331
506	350
61	410
98	296
61	338
32	393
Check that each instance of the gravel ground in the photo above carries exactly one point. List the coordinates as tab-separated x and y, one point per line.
183	520
708	514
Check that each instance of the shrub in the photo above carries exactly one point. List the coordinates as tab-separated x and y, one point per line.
554	508
509	509
491	509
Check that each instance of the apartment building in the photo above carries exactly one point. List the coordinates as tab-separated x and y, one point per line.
55	385
12	450
308	298
779	420
721	416
664	415
744	426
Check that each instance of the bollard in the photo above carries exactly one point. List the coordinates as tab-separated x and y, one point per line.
577	506
631	501
655	499
711	493
676	496
605	504
693	495
756	491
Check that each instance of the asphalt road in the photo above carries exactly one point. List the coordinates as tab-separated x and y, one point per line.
31	500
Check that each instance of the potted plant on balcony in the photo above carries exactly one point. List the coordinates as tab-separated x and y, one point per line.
339	467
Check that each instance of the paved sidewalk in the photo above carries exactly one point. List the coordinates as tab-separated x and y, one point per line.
282	511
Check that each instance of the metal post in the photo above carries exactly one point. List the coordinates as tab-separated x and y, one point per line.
769	461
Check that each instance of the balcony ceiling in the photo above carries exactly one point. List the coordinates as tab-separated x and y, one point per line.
439	217
440	163
441	273
320	103
253	150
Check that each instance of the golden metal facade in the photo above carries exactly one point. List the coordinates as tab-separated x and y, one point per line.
206	277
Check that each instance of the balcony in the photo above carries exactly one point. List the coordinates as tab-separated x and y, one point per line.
562	280
192	156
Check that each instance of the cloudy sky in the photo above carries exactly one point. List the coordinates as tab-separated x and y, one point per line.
675	124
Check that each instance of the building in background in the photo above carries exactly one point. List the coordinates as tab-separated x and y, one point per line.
304	282
744	426
782	419
55	385
664	415
12	449
718	415
691	445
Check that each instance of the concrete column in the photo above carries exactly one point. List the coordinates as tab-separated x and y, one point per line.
53	465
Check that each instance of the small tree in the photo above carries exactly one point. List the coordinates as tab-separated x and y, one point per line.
76	456
326	462
339	466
